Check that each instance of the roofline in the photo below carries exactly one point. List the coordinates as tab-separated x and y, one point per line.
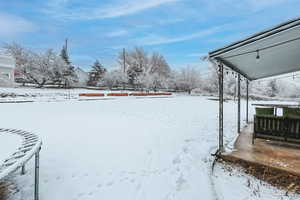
233	67
7	66
258	36
276	74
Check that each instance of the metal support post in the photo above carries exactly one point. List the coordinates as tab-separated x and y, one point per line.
247	101
23	170
36	175
239	104
221	100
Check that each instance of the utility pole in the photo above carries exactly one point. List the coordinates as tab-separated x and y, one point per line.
124	61
66	44
124	66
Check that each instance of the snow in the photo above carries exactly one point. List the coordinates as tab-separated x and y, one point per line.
130	148
9	144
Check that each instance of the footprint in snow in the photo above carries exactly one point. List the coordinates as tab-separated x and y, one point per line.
176	160
188	140
185	149
180	183
110	183
99	185
80	194
138	187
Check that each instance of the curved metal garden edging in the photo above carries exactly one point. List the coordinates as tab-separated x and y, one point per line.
31	146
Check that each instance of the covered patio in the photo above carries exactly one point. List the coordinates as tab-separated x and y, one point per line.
270	139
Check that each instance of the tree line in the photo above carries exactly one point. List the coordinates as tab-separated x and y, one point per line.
137	69
141	70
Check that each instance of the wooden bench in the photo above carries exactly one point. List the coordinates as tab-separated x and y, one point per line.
284	128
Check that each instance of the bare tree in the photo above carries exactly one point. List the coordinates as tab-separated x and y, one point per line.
144	70
115	78
39	68
187	79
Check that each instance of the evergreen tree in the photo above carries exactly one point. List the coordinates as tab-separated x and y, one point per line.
64	55
69	75
97	73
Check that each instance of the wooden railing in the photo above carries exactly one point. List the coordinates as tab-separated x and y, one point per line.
277	128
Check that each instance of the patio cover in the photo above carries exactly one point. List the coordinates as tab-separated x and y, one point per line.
269	53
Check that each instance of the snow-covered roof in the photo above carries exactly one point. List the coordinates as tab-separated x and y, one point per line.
269	53
7	61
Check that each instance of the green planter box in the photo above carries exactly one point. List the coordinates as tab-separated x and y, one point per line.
264	111
291	112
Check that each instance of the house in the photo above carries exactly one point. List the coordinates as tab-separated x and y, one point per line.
7	68
83	77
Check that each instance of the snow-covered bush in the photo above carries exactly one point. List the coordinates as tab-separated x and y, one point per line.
187	79
115	78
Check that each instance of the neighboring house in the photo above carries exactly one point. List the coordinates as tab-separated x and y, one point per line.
7	68
83	77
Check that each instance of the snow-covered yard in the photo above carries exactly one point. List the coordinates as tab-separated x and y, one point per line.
8	144
131	148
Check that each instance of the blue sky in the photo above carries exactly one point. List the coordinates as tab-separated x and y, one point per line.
182	30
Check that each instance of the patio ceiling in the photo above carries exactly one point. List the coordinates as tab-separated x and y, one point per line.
269	53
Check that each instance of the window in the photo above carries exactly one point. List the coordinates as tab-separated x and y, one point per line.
5	74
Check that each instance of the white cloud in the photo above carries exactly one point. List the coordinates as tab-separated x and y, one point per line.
12	25
203	65
117	33
260	4
197	54
157	40
117	9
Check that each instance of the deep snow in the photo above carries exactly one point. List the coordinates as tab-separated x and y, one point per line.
131	148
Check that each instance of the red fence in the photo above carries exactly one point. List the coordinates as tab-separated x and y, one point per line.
124	94
118	94
91	95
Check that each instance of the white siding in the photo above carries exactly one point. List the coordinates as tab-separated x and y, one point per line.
7	68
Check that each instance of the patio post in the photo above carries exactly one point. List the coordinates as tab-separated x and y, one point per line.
221	99
239	104
247	101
